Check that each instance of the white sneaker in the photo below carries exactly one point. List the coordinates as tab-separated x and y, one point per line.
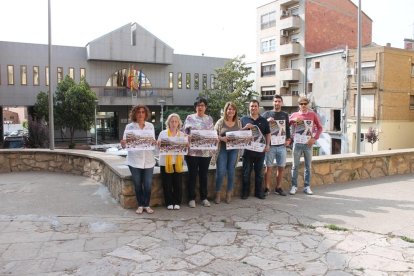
192	204
170	207
293	190
206	203
308	191
176	207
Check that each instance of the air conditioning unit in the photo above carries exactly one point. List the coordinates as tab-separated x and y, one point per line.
350	71
284	13
284	84
284	33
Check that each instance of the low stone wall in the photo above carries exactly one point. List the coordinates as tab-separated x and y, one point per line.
111	170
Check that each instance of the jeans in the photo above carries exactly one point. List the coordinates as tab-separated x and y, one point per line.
142	179
298	149
226	163
197	166
278	153
171	183
248	164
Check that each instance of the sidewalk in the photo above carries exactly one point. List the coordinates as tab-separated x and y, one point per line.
56	224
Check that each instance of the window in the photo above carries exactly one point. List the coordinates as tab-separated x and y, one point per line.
196	81
268	45
180	80
317	64
35	75
411	102
412	70
188	80
310	87
133	34
336	120
267	93
294	64
47	75
72	73
367	105
82	73
367	71
59	74
268	20
204	81
23	75
268	68
171	80
10	74
212	79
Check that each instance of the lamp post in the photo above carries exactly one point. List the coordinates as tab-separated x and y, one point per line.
96	130
162	102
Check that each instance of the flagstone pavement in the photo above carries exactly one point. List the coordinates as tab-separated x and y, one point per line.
58	224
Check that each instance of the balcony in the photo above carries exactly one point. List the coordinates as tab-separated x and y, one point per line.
110	95
287	3
289	98
289	49
290	23
365	85
289	74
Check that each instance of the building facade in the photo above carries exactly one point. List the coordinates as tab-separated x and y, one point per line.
387	98
287	30
162	79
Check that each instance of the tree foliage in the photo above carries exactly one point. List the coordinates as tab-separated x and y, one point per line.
372	136
75	106
231	84
41	107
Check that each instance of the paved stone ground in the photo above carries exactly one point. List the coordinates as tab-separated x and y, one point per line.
54	224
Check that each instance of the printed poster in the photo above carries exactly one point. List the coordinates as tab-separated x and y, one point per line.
277	132
203	140
238	139
258	143
174	145
142	139
303	132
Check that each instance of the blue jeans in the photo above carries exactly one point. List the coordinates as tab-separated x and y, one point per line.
226	163
298	149
248	164
142	179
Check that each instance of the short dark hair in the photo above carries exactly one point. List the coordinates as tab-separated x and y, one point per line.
278	97
200	100
254	101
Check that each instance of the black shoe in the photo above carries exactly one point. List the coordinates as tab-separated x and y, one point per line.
261	196
266	191
244	197
279	191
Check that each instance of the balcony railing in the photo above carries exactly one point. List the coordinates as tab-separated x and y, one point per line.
290	22
289	74
289	49
111	91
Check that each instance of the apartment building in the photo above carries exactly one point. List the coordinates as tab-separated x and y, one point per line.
288	30
387	97
165	79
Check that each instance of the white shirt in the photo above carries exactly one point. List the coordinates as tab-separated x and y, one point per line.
164	134
141	159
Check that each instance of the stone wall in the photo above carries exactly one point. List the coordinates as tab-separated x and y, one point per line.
111	171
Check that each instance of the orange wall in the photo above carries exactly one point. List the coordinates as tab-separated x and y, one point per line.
332	24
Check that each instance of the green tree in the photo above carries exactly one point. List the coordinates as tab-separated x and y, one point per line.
231	84
41	107
75	106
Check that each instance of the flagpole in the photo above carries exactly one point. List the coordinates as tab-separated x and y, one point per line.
51	123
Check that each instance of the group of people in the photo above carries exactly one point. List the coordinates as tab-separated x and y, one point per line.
275	140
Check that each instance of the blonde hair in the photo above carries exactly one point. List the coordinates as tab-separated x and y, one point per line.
226	106
167	122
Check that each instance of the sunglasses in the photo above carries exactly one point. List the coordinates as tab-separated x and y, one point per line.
303	103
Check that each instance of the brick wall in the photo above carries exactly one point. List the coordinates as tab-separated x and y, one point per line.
331	24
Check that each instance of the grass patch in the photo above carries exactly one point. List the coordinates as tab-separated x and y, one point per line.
360	269
307	226
407	239
335	227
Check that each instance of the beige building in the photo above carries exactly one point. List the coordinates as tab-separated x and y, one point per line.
387	97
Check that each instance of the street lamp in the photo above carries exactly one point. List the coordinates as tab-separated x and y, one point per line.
96	130
162	102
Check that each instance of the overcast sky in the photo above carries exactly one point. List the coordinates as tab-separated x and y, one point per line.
220	28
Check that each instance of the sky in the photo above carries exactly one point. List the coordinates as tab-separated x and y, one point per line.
218	28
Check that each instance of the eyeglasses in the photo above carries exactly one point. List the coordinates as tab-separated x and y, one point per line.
303	103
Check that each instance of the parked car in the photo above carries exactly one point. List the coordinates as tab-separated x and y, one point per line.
14	142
